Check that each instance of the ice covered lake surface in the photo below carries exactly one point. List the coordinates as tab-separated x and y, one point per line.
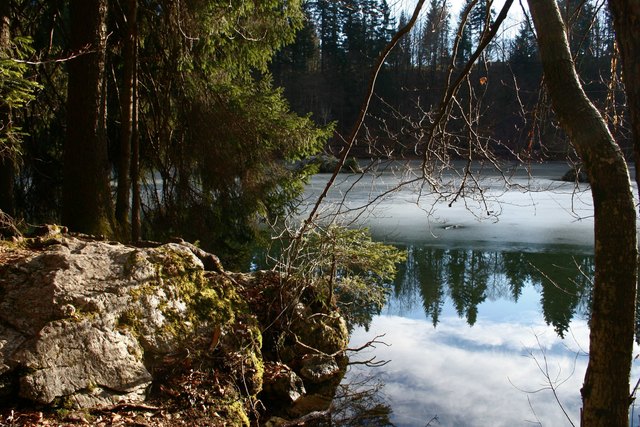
490	311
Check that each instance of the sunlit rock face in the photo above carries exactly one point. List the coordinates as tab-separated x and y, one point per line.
86	319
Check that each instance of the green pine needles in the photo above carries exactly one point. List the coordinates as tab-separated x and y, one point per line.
16	91
349	268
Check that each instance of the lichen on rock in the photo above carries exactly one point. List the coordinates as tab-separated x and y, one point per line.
95	313
94	323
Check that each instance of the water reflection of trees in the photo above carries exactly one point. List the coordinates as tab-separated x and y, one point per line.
361	402
469	277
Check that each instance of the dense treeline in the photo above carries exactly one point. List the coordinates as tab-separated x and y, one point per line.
469	277
324	71
169	101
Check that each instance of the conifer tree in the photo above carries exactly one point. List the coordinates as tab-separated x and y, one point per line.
87	206
16	90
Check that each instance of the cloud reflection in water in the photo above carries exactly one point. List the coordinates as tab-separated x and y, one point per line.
477	376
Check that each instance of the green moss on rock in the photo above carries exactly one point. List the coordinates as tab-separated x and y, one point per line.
188	298
233	410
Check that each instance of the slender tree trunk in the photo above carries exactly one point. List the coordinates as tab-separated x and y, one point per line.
86	195
126	124
7	167
605	392
5	27
135	154
7	176
626	18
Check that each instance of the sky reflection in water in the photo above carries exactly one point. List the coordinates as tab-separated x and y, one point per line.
484	356
489	368
476	376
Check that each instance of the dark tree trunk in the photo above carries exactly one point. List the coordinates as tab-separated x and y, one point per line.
605	392
626	20
7	175
135	154
86	196
126	126
7	167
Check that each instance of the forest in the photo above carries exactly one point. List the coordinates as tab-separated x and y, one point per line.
145	120
157	118
326	71
169	102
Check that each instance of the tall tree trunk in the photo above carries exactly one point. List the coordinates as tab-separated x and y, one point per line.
86	195
135	153
126	126
7	176
626	20
605	392
7	167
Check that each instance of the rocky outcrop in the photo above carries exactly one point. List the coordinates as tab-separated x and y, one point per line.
88	323
85	320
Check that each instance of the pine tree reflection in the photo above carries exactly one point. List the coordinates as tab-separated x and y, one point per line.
469	273
515	267
469	277
423	272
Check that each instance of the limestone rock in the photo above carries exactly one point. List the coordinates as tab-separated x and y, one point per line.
84	320
69	357
318	368
281	384
89	323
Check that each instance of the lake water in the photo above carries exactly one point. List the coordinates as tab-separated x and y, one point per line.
487	321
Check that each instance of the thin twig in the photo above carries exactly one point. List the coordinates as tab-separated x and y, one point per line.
363	112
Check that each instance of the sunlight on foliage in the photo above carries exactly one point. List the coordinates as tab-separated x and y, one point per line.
16	90
350	268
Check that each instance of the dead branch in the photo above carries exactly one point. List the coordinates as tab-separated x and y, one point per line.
550	383
369	343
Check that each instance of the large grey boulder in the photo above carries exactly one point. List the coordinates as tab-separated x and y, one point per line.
88	323
85	321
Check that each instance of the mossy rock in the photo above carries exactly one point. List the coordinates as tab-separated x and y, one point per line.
233	411
181	302
327	333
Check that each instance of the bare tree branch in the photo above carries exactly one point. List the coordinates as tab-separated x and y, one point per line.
363	112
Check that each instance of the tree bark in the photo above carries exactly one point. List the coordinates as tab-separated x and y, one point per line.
605	392
626	20
126	123
135	154
86	195
7	166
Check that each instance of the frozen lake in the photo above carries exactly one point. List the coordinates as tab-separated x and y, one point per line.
531	207
472	328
